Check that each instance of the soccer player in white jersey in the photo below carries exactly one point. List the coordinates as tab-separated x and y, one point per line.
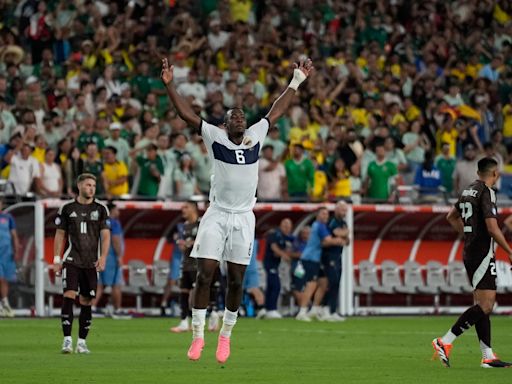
226	231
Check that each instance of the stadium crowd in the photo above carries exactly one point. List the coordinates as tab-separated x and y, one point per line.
403	92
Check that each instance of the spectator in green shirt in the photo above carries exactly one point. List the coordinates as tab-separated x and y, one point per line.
151	169
300	173
446	165
92	164
380	173
89	135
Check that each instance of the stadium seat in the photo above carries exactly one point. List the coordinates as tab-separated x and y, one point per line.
51	288
137	281
435	281
159	278
368	279
458	282
391	281
504	277
413	280
25	284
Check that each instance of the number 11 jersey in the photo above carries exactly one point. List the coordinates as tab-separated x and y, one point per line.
82	224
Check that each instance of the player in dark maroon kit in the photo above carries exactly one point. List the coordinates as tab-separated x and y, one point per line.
85	223
475	217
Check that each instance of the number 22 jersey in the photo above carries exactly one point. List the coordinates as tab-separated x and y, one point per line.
476	203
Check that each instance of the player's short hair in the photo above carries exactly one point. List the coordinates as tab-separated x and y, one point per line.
85	176
193	204
228	114
486	165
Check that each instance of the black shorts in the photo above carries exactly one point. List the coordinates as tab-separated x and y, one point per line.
82	280
311	273
188	279
483	279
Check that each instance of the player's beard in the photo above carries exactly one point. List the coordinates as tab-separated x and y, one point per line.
87	196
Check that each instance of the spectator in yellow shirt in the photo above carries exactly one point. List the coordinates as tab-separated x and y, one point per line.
240	10
39	151
507	122
115	174
320	184
447	133
340	183
304	131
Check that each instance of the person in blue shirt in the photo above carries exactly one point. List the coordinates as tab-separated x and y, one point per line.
311	258
278	247
251	283
331	266
174	268
428	177
9	248
112	275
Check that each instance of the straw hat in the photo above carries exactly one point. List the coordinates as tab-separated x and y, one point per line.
14	51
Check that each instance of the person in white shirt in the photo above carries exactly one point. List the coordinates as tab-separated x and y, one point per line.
192	88
24	170
216	37
272	183
121	145
226	231
50	182
181	70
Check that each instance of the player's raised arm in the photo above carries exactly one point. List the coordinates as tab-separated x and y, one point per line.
185	111
300	73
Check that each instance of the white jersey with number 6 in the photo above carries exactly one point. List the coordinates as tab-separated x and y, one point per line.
235	167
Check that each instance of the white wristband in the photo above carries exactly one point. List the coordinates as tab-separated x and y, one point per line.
56	260
298	78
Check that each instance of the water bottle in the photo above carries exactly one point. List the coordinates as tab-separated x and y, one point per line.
299	271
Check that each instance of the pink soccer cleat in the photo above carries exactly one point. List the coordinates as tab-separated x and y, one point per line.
194	352
223	349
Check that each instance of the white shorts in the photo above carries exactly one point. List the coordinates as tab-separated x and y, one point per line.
225	236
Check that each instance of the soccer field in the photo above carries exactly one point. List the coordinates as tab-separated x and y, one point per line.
370	350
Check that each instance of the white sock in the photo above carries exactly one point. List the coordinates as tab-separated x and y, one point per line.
316	309
449	338
303	310
198	321
487	352
81	341
228	322
5	302
184	322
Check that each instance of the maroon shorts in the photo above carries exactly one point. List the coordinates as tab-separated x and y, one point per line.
82	280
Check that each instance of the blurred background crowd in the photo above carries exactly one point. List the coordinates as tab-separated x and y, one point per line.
405	96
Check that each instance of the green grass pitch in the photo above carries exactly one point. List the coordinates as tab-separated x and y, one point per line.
360	350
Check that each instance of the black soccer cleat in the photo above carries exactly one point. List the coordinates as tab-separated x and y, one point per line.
495	363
